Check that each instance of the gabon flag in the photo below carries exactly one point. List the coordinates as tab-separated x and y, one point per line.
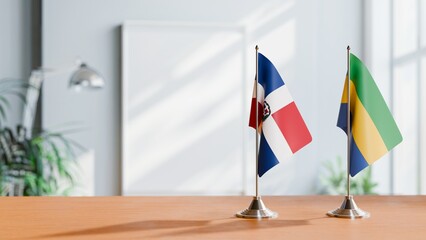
374	131
281	127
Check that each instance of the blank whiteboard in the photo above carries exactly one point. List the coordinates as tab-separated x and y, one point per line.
183	109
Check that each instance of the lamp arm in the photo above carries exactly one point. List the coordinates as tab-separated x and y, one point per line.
46	72
33	93
31	100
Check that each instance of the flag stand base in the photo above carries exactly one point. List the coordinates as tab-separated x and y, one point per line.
257	209
349	209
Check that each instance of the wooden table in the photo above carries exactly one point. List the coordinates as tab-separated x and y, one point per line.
302	217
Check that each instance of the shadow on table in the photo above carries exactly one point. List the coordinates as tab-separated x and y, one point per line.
238	225
130	227
198	226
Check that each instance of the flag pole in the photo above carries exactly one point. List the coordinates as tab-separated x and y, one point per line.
257	208
348	129
257	123
348	209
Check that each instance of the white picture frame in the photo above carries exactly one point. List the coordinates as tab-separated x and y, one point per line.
168	149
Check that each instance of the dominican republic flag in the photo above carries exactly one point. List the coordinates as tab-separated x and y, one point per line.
282	129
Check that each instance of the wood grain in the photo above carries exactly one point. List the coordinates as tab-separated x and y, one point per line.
300	217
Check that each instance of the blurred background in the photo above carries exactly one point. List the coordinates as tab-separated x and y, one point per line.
172	116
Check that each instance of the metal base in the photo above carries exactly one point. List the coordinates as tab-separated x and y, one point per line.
349	209
257	209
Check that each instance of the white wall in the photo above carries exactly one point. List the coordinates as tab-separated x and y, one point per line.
307	40
15	48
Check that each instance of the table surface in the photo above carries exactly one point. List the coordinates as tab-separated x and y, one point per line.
300	217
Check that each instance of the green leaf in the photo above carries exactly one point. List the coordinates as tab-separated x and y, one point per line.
5	101
2	113
30	180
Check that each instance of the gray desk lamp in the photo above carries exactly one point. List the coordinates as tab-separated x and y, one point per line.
82	76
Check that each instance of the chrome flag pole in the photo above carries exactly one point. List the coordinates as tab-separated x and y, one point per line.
257	123
257	208
348	209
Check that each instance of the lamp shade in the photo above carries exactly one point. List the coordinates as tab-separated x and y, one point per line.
86	77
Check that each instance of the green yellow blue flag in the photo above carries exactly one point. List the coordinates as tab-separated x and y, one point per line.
374	131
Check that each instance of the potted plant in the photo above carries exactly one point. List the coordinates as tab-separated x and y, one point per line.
36	165
334	180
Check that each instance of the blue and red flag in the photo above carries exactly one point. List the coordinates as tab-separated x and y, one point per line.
282	129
